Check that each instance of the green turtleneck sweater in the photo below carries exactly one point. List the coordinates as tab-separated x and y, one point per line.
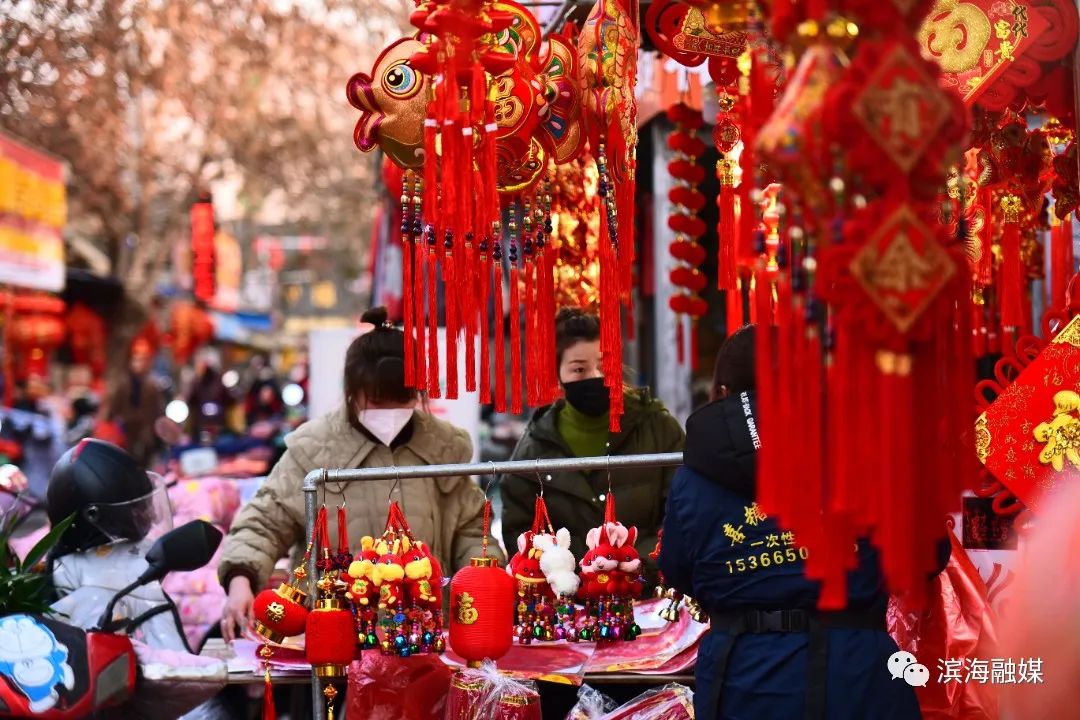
586	436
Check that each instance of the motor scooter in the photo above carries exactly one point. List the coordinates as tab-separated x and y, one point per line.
53	670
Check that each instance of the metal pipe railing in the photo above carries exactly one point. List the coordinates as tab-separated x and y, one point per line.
315	478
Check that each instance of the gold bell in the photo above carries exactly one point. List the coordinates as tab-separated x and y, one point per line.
671	612
697	614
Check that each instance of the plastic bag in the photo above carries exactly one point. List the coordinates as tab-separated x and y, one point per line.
956	624
591	705
485	694
392	688
670	702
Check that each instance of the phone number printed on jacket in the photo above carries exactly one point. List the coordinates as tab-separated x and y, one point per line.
774	549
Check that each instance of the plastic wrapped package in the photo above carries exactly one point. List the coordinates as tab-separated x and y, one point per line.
957	623
670	702
485	694
392	688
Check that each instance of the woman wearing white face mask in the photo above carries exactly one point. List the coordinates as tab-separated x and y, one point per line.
380	424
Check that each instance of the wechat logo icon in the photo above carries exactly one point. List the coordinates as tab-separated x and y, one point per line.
904	666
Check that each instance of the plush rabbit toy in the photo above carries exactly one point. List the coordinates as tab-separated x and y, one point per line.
557	562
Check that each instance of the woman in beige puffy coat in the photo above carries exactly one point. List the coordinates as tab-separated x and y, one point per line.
379	425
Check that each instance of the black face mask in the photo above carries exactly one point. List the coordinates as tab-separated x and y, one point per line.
589	397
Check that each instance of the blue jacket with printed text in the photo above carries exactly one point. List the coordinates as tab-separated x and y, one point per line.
720	549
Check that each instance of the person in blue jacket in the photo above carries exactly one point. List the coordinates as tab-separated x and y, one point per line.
769	653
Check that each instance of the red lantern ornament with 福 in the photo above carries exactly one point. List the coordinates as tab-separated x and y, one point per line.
481	607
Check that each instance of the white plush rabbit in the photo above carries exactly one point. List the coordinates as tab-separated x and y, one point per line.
557	562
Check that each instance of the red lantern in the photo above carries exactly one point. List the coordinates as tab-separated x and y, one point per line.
481	611
280	613
330	641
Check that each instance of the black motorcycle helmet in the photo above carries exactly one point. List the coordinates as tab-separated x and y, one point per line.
110	495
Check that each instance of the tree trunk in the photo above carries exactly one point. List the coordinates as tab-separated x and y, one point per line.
127	320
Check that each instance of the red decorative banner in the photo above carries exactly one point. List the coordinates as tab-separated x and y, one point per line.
1029	438
975	42
203	251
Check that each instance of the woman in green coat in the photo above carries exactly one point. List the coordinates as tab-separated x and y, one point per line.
577	426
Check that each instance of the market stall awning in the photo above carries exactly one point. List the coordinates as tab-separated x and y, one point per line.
239	327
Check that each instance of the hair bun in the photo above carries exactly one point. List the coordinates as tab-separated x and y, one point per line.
377	316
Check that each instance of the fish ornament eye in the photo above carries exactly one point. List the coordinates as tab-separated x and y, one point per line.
400	80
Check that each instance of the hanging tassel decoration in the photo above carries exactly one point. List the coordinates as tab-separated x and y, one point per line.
485	297
1012	271
500	319
407	215
1061	259
269	710
515	318
420	319
450	290
529	302
434	388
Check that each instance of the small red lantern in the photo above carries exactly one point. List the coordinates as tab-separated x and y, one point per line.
280	613
330	642
481	611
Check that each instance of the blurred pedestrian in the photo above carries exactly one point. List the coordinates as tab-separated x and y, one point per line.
135	404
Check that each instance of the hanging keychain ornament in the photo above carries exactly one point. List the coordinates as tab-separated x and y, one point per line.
611	580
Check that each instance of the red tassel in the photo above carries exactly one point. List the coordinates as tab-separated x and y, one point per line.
451	290
500	338
530	330
1061	261
766	352
485	359
418	306
269	711
515	341
407	297
727	278
985	271
468	277
1012	282
434	388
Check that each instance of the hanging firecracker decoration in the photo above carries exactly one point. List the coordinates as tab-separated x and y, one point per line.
876	292
481	607
611	580
543	571
482	692
686	202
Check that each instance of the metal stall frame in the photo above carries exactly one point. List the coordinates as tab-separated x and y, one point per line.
315	478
